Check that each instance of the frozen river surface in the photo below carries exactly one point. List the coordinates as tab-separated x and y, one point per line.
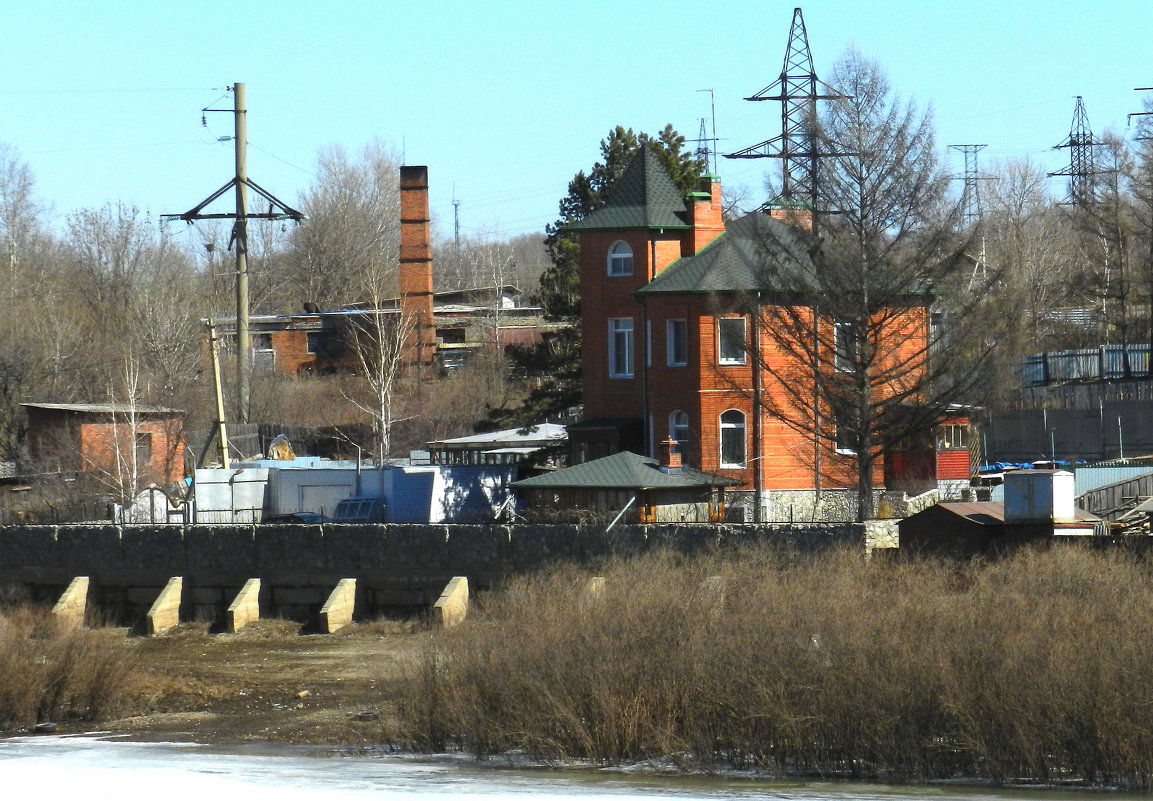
98	769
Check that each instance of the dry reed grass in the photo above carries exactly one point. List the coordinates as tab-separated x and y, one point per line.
1035	667
50	670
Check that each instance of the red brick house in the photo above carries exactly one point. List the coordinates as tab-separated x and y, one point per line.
670	348
110	439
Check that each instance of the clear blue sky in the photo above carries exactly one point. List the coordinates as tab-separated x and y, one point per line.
505	100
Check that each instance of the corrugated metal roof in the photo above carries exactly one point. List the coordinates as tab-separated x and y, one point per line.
105	408
988	513
644	197
992	513
623	470
543	432
1090	478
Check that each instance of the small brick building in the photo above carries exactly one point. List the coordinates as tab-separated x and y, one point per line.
672	349
109	439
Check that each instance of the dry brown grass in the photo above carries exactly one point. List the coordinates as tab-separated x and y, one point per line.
1031	668
51	670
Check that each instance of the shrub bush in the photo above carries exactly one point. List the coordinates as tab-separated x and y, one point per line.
51	670
1034	667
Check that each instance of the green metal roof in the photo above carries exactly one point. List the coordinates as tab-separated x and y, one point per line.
644	197
623	470
756	252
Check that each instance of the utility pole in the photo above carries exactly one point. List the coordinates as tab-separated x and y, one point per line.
456	225
240	238
277	210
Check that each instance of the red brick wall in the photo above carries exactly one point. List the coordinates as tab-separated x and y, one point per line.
704	388
88	441
605	296
291	349
109	449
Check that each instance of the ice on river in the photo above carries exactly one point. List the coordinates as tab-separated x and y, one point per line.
97	768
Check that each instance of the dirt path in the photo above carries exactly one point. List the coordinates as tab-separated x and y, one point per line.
270	683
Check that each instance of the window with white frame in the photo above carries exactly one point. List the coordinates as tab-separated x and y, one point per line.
733	438
679	428
731	340
620	259
621	347
677	342
953	437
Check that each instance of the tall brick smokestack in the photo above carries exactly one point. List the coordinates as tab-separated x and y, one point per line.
416	264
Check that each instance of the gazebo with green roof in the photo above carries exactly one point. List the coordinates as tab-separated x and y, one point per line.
653	491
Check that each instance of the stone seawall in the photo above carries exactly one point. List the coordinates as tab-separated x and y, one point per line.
394	564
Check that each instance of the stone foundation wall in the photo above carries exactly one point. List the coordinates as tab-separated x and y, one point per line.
394	565
304	554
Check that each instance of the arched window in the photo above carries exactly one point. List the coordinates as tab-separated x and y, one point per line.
620	259
733	439
679	428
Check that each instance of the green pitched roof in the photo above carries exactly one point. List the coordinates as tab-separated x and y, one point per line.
623	470
756	252
644	197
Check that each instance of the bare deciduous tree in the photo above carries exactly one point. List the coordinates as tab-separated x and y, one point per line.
352	233
863	368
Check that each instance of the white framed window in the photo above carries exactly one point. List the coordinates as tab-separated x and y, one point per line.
621	347
733	438
677	342
679	428
620	259
953	437
731	340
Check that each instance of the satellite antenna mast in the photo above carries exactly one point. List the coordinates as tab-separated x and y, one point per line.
277	210
455	222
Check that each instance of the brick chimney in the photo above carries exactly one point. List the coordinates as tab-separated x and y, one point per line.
705	214
416	264
798	218
670	456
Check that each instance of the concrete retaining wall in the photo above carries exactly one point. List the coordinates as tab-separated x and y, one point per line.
395	565
451	608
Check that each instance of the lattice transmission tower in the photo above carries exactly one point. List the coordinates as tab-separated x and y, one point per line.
707	145
1082	158
971	206
797	89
